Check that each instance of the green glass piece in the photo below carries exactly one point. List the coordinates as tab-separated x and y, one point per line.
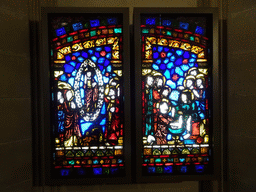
168	33
158	160
145	30
192	38
105	171
166	152
79	154
159	169
51	52
99	153
109	153
67	28
195	151
86	25
72	162
103	22
93	33
69	154
89	153
118	30
70	39
156	152
185	151
169	160
146	160
175	151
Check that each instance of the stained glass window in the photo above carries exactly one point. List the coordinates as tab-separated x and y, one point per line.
176	94
87	95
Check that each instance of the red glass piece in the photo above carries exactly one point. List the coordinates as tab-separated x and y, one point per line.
175	77
103	53
163	54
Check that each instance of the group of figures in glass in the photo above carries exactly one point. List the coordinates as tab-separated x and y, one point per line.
175	97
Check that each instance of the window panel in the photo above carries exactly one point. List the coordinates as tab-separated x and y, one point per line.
88	134
176	74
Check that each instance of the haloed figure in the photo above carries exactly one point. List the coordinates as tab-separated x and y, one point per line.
114	129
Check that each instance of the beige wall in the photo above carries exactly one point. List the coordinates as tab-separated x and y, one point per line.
15	97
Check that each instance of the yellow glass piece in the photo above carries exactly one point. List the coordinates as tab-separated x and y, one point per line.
185	151
163	32
163	42
115	54
166	152
60	55
65	50
202	130
195	151
118	152
65	162
156	152
186	36
201	55
87	34
57	140
148	45
147	61
175	34
152	30
164	160
60	153
201	60
176	160
111	40
89	162
118	72
204	71
188	159
197	40
58	73
77	162
115	45
88	44
101	161
63	85
174	43
170	142
152	40
200	159
98	32
75	37
146	71
151	160
148	54
77	47
206	138
110	31
69	142
60	61
113	161
204	150
185	46
196	49
147	152
100	42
